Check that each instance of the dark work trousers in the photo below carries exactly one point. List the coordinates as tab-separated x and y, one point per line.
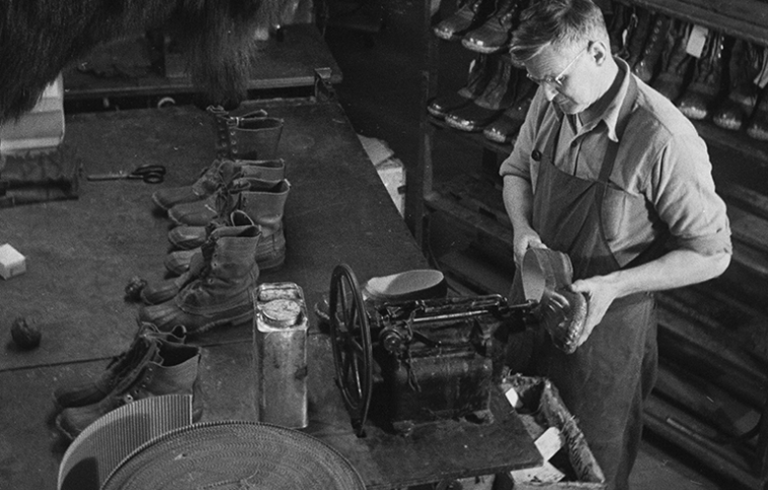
605	381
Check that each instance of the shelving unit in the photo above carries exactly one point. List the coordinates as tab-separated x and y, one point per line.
289	61
713	337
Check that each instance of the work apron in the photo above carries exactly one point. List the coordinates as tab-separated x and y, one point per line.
606	380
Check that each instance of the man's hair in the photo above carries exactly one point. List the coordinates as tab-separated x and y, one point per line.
556	23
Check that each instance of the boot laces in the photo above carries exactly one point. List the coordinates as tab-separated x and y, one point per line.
226	197
129	359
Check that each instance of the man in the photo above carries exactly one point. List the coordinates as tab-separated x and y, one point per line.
608	171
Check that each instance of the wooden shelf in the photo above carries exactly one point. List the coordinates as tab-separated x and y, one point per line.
474	138
277	64
745	19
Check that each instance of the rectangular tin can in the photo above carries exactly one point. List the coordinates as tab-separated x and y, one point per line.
280	354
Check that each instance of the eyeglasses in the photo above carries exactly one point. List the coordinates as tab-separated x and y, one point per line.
556	81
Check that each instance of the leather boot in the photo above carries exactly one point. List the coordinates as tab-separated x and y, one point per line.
504	129
169	368
264	203
481	71
707	83
758	122
193	217
190	265
638	34
676	63
266	207
254	138
206	184
620	21
221	293
220	119
648	62
78	393
495	33
744	66
470	14
220	203
501	93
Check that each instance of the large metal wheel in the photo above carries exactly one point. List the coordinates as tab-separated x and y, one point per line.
351	344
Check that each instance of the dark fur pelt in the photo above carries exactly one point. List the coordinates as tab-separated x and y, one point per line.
40	38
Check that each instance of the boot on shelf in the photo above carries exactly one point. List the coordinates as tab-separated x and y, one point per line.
501	93
262	202
638	34
78	393
470	14
494	34
619	21
647	63
199	214
504	129
166	368
745	64
676	63
481	71
707	83
220	291
758	122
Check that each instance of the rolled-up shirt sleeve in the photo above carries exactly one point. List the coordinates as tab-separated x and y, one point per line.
682	191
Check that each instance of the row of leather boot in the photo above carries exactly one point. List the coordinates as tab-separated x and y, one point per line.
484	26
230	224
723	84
226	234
494	100
155	364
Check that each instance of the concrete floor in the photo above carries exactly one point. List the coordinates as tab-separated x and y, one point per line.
381	94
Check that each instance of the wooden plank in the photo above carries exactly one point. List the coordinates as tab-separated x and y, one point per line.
726	416
680	341
736	142
477	195
733	323
744	198
484	224
750	229
682	430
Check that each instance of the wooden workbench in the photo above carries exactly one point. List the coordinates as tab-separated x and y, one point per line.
82	253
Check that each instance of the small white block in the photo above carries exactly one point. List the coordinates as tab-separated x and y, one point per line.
514	398
549	443
12	263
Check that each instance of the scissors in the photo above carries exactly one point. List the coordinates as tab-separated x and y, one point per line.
151	174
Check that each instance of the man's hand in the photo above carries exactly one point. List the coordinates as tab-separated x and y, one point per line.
523	240
600	293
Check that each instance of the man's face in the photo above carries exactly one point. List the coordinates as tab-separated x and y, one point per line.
566	74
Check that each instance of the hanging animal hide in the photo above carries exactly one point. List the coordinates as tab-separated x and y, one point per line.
40	38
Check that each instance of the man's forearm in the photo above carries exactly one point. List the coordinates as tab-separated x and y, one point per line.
518	198
675	269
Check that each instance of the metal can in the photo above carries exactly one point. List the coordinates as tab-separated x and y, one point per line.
280	354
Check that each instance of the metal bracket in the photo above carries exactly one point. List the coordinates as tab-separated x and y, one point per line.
323	88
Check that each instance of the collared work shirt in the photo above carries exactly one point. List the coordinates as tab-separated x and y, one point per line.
662	167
